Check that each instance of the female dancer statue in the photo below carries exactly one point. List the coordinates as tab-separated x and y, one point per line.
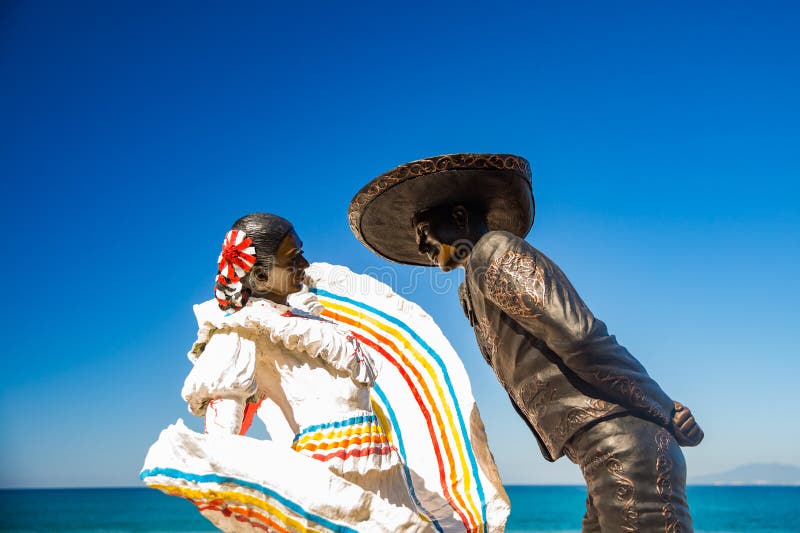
310	369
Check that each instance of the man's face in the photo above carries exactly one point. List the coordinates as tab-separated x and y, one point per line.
442	238
289	266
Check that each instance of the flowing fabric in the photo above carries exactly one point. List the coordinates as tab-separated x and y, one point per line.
423	401
243	484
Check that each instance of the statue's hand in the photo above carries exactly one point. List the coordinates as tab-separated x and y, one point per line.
685	428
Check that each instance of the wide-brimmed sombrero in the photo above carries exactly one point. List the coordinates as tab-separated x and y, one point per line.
499	184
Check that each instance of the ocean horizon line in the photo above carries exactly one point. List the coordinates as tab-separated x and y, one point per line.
514	485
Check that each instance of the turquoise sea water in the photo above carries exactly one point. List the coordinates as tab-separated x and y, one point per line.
535	509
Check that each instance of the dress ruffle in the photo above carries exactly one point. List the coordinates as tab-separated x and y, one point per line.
244	484
294	329
357	444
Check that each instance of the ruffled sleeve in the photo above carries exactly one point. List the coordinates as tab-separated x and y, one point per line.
226	369
209	318
296	330
320	338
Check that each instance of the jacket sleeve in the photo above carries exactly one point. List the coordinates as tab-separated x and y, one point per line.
532	290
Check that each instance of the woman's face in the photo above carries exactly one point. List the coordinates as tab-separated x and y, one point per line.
289	266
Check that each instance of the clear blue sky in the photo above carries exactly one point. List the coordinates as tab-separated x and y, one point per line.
664	141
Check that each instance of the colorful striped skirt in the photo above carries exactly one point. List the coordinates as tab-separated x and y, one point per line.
357	449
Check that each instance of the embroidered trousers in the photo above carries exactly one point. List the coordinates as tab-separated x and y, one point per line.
635	476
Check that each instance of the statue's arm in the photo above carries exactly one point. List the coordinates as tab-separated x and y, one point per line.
532	290
328	341
221	381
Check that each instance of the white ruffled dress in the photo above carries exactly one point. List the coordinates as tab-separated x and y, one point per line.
311	370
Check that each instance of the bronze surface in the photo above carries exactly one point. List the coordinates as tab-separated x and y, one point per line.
380	213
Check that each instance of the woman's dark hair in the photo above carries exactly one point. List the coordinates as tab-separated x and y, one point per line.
267	231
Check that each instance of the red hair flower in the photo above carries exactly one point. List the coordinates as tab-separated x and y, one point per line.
238	255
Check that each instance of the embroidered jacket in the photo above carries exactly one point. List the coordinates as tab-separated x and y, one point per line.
560	367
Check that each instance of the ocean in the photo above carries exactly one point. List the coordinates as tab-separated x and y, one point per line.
535	509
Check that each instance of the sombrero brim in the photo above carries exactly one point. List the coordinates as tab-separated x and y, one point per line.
381	213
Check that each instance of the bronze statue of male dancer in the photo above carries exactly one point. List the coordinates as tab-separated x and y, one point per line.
581	393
